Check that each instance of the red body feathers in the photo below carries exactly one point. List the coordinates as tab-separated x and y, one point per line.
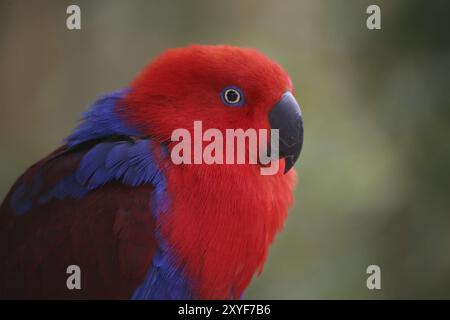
223	217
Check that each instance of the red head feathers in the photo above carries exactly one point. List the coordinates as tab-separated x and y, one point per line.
183	85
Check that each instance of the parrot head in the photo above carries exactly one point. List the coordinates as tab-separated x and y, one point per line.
225	87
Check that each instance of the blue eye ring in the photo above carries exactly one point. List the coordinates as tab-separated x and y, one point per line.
232	96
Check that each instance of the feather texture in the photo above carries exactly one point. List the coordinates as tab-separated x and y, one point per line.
111	201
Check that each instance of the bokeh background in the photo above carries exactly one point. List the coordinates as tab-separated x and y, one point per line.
374	183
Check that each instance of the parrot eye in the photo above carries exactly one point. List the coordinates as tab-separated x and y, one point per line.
232	96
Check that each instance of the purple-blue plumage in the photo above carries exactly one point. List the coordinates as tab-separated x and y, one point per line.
101	120
101	151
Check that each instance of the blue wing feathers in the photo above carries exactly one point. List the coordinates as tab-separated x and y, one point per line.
73	175
102	120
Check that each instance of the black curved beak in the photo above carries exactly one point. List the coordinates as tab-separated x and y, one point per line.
286	116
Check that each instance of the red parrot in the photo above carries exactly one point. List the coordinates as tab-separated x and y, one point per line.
111	201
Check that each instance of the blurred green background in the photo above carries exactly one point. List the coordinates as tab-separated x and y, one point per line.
374	182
